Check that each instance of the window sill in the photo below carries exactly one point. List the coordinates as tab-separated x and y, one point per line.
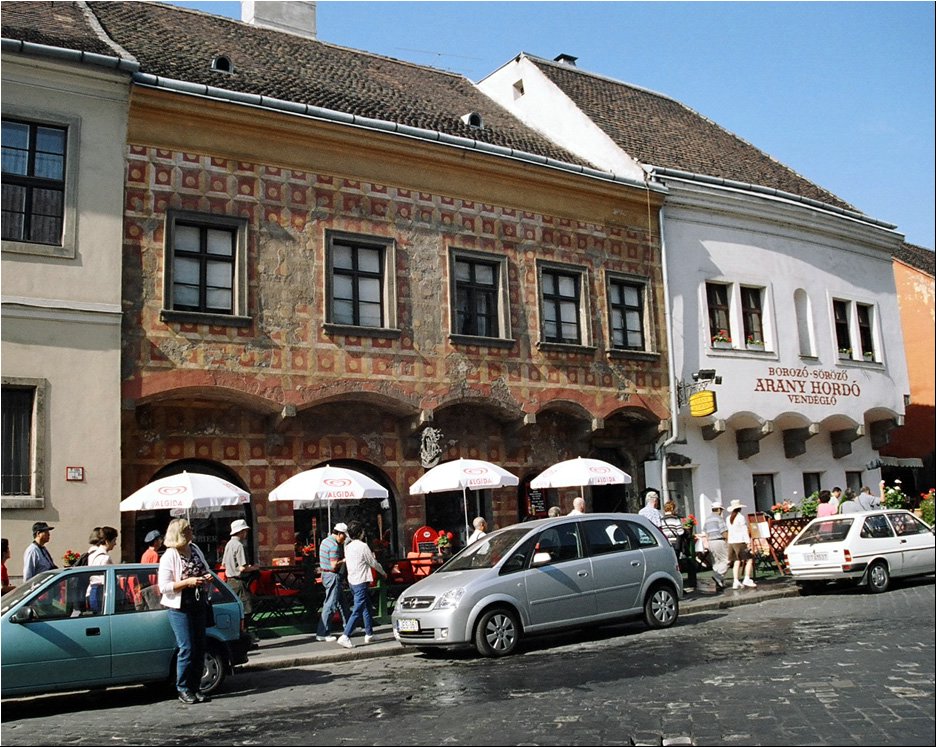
482	342
39	250
624	353
350	330
21	501
566	347
198	317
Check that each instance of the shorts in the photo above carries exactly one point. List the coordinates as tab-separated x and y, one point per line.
738	551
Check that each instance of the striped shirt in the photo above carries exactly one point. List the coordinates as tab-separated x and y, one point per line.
329	550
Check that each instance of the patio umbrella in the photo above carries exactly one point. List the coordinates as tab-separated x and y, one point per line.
462	474
578	473
322	485
188	491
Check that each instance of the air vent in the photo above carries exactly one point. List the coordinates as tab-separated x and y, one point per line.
222	64
565	59
518	89
474	120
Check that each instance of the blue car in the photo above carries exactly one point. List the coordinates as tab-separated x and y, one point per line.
52	640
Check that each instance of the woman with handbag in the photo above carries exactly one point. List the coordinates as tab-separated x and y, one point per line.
185	583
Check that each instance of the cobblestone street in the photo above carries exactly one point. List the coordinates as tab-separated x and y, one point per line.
844	668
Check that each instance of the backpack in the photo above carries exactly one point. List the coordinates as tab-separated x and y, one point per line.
82	559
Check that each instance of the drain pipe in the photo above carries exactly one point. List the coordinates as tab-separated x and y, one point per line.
674	395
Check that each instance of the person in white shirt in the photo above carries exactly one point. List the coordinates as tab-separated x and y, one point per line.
651	511
578	506
480	529
739	545
360	561
102	541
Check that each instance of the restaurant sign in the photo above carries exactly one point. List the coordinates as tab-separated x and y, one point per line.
808	386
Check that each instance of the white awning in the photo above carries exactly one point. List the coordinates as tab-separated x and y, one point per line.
887	461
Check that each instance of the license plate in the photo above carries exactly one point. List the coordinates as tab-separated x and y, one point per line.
812	557
408	626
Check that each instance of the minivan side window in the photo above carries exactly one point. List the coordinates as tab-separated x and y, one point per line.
521	557
606	535
639	536
561	542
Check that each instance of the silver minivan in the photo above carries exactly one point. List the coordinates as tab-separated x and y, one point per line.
542	576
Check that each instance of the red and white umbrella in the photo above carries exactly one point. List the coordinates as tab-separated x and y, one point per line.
322	485
462	474
185	492
579	472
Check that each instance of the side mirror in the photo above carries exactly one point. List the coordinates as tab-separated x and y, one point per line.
22	615
541	558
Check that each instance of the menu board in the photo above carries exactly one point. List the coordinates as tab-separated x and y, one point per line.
536	502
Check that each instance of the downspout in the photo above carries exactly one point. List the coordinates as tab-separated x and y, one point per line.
674	395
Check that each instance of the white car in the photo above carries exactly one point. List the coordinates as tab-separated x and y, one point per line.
867	547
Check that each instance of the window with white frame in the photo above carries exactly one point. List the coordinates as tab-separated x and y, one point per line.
479	294
39	183
205	263
23	442
737	309
854	325
719	312
752	315
360	282
627	299
562	305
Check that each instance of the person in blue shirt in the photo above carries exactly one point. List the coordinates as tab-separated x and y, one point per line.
36	559
332	567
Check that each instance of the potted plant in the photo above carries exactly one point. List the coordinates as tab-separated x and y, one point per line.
444	542
927	508
70	558
810	505
753	343
894	497
845	354
868	355
783	510
721	339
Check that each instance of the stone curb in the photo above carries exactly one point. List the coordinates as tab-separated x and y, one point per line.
392	648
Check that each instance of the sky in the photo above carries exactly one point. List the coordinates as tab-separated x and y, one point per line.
841	92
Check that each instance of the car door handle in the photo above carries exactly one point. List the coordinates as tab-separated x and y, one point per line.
635	563
92	631
582	574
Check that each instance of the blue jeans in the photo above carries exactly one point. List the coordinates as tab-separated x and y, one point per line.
334	602
361	609
189	629
96	598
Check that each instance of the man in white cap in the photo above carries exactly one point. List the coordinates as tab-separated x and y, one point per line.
716	534
236	567
332	566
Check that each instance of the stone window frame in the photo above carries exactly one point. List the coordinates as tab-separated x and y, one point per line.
584	344
239	316
388	327
502	292
649	347
39	458
68	247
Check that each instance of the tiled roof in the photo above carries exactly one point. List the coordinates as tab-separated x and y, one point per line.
662	132
53	24
180	43
918	257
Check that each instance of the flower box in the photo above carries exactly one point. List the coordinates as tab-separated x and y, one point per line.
759	346
720	345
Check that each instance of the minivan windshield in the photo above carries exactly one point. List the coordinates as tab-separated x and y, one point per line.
487	551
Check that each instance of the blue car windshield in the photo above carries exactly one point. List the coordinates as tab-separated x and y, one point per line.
487	551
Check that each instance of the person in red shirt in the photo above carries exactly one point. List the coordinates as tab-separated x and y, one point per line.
7	586
154	541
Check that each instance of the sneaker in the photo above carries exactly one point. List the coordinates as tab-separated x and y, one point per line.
368	638
736	585
202	697
326	638
186	697
345	642
749	583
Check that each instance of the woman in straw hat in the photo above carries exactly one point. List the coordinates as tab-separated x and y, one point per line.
739	545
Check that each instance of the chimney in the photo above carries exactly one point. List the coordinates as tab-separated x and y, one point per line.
565	59
292	16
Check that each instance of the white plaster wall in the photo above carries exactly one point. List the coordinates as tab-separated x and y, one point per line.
545	108
61	316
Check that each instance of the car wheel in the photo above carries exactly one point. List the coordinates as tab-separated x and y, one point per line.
497	632
215	670
878	577
661	608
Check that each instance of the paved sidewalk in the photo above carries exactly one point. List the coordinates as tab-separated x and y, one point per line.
302	649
